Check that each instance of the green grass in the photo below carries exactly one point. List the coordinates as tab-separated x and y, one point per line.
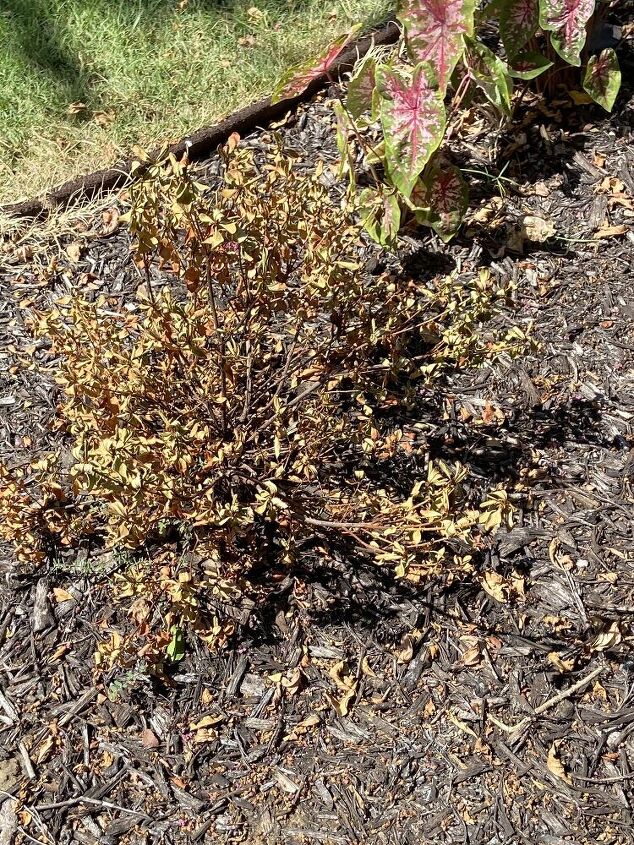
145	71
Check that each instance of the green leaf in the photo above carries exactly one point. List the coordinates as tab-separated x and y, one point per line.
490	75
529	65
566	21
413	120
381	215
361	88
300	76
519	20
176	647
440	198
602	79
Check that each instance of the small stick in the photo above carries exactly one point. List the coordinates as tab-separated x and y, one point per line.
547	704
83	799
567	692
615	779
28	766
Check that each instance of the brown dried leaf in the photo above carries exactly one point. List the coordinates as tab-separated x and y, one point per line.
610	231
110	221
60	595
342	705
149	739
495	585
607	639
555	766
537	229
340	676
558	663
73	251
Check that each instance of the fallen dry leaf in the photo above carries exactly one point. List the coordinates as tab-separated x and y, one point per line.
73	251
149	739
341	677
408	644
472	656
495	585
537	229
104	118
554	764
206	722
610	231
110	220
562	665
303	727
607	639
61	595
367	669
342	705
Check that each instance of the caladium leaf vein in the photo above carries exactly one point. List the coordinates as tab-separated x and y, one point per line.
300	76
519	20
566	21
413	120
434	32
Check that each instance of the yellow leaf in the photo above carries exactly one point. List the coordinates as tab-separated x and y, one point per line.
558	663
494	585
580	98
342	705
206	722
343	681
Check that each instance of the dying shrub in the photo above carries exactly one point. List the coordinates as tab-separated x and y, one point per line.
266	394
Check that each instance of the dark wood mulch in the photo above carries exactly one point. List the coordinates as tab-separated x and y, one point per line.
497	710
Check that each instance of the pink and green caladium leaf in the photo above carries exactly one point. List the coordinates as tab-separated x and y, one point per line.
519	20
441	198
602	79
566	21
529	65
413	121
490	74
361	88
297	79
434	32
380	214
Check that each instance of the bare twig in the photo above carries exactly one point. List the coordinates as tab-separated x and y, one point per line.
561	696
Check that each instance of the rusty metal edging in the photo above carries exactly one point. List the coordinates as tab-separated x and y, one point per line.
204	141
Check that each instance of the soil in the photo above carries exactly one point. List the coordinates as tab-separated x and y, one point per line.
497	710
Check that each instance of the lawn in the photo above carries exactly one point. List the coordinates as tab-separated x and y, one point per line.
82	81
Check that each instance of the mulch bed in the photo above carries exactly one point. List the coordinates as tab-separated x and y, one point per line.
499	709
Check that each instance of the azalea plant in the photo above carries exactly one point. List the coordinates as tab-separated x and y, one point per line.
412	93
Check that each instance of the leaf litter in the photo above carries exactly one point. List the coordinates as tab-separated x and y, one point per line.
355	707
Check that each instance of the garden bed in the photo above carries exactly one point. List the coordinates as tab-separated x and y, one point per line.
494	710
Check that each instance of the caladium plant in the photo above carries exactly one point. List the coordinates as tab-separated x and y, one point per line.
410	97
435	31
566	20
519	20
413	121
602	79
